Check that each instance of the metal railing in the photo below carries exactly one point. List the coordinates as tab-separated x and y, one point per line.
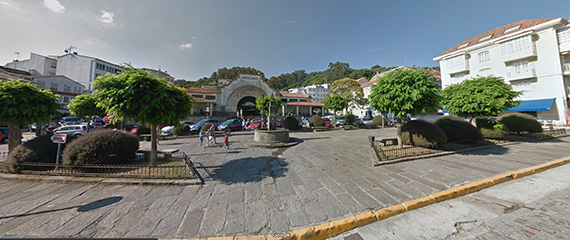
184	170
385	153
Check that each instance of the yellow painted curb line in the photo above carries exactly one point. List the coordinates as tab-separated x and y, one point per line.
336	227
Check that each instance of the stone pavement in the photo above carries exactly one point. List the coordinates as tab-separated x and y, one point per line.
533	207
254	190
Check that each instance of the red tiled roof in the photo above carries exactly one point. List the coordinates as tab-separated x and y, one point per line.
368	83
314	104
499	32
294	95
201	100
201	90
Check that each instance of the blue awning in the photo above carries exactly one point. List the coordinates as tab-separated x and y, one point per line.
538	105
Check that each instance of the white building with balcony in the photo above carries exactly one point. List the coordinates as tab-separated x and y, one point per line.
84	69
316	92
531	55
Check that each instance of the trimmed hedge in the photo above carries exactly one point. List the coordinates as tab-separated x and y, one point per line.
377	120
181	129
520	122
493	133
457	129
316	121
486	123
422	133
102	147
38	149
291	123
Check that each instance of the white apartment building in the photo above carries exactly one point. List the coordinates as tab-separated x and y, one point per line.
160	74
65	87
84	69
531	55
36	65
316	92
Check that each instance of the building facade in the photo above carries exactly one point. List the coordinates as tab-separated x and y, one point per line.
316	92
36	65
84	69
63	86
533	56
160	74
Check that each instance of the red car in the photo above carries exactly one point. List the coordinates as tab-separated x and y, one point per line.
255	124
327	121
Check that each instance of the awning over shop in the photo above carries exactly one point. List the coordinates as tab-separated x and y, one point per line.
538	105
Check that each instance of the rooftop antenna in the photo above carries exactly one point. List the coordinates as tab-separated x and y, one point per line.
17	53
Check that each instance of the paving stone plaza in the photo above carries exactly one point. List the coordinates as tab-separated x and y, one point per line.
329	175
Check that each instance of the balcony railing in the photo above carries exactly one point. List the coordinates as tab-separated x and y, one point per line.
513	74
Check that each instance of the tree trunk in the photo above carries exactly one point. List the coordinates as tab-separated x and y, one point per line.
473	122
39	129
88	122
153	146
14	136
400	144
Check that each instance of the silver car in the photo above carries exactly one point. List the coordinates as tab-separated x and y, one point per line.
74	130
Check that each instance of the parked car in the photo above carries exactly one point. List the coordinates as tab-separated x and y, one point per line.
196	127
3	135
166	131
341	120
255	123
70	120
278	122
358	122
75	130
367	120
231	124
327	121
187	122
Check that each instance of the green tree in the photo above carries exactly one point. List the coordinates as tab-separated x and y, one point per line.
262	104
335	103
136	95
338	70
403	92
85	105
350	91
481	96
363	72
22	103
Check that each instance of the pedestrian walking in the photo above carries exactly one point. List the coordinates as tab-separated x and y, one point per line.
243	124
227	140
202	133
213	133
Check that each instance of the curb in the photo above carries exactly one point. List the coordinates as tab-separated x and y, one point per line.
95	180
336	227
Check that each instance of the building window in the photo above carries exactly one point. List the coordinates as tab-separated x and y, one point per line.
485	38
564	35
512	29
463	45
100	66
53	86
485	72
521	67
210	97
197	96
522	86
66	88
515	45
65	99
483	56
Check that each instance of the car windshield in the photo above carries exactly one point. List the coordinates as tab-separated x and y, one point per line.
202	122
367	118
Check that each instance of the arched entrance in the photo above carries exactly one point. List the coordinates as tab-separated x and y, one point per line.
247	107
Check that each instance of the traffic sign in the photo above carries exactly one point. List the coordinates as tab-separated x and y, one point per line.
59	138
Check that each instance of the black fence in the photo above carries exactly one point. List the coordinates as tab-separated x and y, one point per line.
385	152
175	166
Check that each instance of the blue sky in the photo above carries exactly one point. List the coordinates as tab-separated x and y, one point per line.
192	39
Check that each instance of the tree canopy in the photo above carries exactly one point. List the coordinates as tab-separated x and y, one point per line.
403	92
136	95
262	104
221	73
335	103
23	103
85	105
477	97
350	91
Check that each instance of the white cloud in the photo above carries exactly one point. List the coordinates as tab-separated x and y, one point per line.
93	41
8	3
54	5
107	17
185	46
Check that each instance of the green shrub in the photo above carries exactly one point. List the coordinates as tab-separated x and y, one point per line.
350	118
181	129
291	123
520	122
485	123
116	125
316	121
493	133
38	149
421	133
457	129
102	147
377	120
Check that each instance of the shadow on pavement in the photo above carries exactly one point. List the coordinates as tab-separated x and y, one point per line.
81	208
484	151
245	170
